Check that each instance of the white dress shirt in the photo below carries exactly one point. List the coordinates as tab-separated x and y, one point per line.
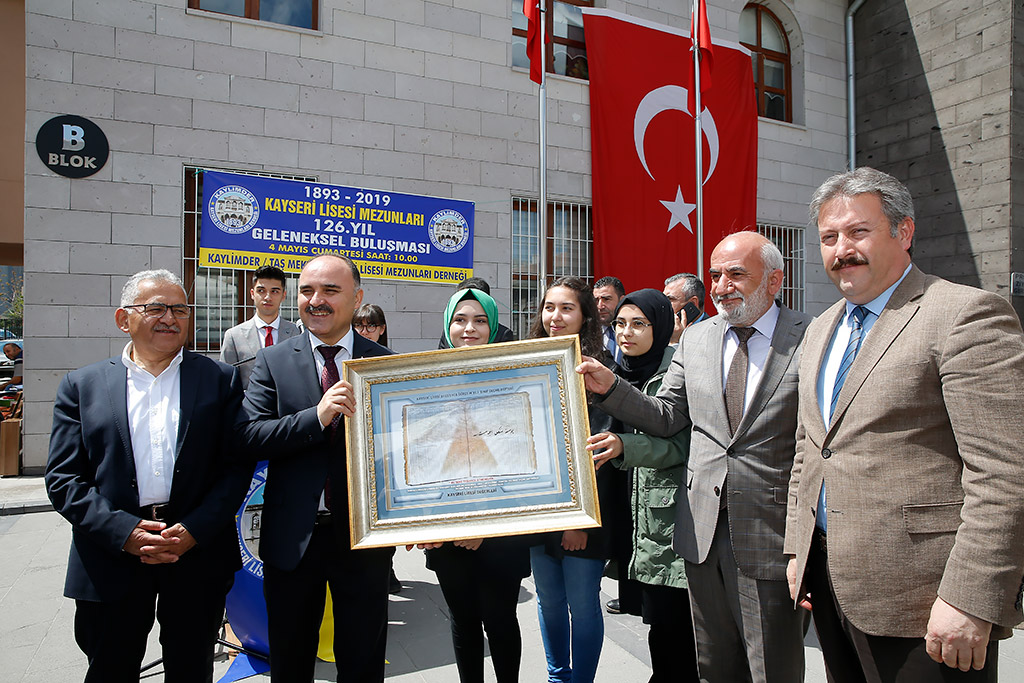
757	351
262	326
344	353
154	412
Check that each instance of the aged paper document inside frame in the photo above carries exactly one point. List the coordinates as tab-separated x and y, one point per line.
468	439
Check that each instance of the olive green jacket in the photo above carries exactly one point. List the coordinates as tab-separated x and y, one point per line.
660	465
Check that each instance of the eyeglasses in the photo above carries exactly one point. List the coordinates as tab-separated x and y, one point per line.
156	310
367	327
639	326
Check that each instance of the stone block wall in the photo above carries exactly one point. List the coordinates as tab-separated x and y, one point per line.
936	108
413	96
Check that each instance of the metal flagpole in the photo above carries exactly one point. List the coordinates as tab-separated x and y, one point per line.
697	135
542	204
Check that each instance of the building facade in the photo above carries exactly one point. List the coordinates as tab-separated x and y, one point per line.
418	96
939	105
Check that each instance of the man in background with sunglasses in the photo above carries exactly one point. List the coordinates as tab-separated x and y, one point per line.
142	464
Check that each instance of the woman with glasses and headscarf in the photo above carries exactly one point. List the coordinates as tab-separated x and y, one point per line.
643	324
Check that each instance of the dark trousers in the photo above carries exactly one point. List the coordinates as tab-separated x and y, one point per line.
670	639
852	656
477	602
189	604
295	608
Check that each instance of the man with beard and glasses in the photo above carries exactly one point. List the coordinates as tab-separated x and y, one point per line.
292	417
732	382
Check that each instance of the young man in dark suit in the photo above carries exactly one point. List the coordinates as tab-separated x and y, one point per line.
142	463
293	413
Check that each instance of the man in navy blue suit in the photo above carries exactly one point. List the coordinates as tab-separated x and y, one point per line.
143	464
293	412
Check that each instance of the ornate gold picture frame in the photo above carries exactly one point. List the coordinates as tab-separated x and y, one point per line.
474	442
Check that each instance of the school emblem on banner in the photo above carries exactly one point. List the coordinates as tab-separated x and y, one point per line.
234	209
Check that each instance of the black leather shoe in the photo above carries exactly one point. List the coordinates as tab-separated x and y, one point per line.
613	607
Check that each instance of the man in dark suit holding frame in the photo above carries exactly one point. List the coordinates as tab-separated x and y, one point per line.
293	413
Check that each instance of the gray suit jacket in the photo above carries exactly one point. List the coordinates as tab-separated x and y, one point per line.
242	342
755	461
922	464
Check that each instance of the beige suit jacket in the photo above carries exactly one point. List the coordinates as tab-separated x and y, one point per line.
923	465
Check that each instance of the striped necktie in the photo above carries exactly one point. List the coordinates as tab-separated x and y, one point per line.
856	335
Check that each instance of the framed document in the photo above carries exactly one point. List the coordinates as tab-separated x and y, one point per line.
473	442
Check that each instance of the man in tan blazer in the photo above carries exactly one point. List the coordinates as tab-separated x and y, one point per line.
905	521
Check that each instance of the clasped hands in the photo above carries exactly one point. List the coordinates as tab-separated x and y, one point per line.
156	543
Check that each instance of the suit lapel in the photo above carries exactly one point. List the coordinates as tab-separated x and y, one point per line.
252	339
117	386
305	367
894	318
814	351
716	339
286	330
780	353
188	379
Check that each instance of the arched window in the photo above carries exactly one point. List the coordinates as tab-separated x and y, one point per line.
762	33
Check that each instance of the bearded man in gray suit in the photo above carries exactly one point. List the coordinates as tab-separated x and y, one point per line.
733	383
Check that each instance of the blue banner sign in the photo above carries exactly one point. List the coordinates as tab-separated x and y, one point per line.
251	221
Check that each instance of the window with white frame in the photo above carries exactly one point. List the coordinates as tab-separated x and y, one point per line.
764	35
219	296
568	248
300	13
566	54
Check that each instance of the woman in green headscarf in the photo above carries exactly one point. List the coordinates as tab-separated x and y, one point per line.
480	578
475	308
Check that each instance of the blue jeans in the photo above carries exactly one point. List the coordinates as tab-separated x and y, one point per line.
569	590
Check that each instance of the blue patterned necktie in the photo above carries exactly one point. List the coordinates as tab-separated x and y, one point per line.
856	335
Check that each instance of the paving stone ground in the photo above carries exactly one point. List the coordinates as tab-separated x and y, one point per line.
39	646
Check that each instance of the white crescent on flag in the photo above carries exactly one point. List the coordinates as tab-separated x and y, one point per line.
673	98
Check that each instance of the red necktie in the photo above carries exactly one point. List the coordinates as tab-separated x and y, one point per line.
270	336
328	378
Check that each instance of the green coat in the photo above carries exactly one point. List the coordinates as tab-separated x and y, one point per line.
660	467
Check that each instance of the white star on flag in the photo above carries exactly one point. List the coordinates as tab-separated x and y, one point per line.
680	211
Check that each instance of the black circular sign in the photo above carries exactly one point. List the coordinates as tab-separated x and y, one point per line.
72	146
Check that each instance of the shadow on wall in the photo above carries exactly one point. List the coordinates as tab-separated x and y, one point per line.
899	132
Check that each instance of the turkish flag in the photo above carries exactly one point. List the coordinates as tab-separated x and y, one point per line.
700	35
642	142
534	34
